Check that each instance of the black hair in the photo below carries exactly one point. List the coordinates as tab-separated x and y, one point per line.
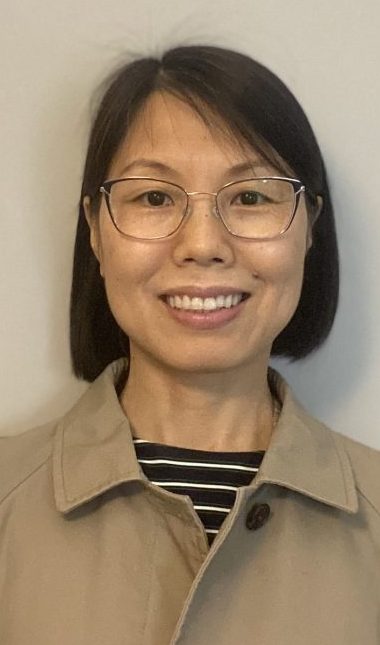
260	110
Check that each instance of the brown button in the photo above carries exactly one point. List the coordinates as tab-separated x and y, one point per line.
257	516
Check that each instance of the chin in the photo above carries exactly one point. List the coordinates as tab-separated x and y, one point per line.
205	362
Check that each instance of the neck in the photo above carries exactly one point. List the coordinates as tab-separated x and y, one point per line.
226	411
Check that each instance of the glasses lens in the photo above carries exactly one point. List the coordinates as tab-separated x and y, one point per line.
146	208
257	208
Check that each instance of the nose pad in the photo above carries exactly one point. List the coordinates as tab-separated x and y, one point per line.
195	215
214	212
210	204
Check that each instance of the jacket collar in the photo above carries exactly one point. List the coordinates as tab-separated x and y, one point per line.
93	450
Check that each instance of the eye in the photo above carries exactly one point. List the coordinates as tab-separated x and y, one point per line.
156	198
250	198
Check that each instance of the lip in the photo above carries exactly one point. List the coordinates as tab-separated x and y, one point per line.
203	292
206	320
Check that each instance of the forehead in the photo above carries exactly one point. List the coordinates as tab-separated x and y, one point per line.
170	129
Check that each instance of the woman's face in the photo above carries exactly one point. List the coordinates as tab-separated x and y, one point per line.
201	253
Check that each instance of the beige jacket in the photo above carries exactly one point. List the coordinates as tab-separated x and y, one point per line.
91	553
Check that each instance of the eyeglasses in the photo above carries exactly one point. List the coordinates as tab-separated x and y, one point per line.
261	208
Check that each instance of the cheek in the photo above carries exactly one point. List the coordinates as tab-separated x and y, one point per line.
123	272
128	268
290	284
282	279
122	278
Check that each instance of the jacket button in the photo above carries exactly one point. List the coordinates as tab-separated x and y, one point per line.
257	516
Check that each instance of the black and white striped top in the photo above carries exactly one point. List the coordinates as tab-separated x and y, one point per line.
210	479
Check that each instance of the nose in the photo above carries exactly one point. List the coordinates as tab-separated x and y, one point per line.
202	237
202	202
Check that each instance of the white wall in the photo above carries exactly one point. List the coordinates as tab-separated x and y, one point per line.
53	54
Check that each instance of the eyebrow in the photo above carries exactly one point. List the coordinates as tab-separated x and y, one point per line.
152	164
239	168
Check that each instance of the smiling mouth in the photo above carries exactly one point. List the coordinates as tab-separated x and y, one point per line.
209	304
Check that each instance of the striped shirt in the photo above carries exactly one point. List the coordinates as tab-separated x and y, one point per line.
210	479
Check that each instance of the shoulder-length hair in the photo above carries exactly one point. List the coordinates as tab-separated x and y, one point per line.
260	110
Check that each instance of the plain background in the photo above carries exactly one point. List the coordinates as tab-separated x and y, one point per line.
53	56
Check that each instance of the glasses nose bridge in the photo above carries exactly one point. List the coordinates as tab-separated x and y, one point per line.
195	193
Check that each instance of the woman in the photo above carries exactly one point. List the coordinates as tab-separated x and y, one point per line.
187	498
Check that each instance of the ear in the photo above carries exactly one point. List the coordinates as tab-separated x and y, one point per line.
93	223
316	214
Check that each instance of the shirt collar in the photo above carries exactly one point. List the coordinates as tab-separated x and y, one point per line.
93	450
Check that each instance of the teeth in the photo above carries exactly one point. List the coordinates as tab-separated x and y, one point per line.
206	304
